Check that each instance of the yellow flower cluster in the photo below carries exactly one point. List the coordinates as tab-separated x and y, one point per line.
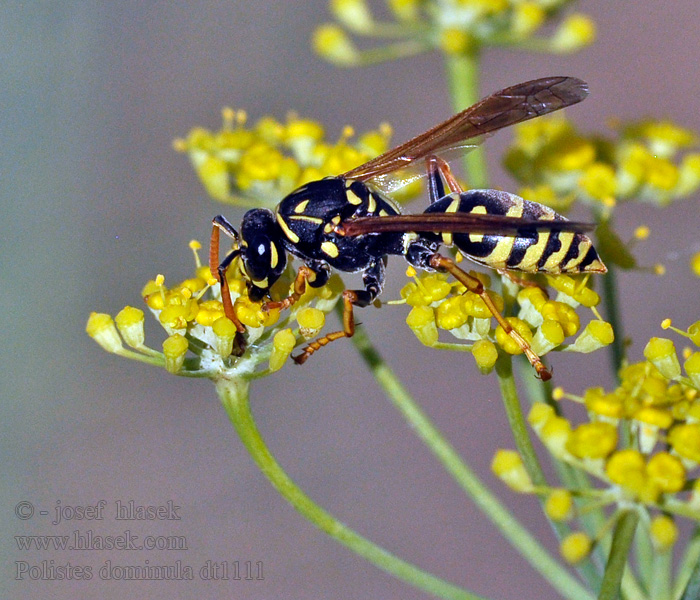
438	304
642	441
452	26
202	341
647	161
260	164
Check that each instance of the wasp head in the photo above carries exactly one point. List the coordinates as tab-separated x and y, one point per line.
264	257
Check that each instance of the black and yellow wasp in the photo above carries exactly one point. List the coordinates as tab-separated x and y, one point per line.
347	223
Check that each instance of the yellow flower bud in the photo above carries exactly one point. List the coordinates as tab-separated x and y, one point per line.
332	43
627	469
685	440
456	41
692	368
592	440
605	405
576	31
450	313
598	181
485	354
575	547
559	505
667	472
421	320
130	322
100	327
596	335
224	332
174	349
506	342
311	321
282	345
509	468
662	354
664	533
354	14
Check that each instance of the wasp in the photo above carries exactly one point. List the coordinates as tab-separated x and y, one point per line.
349	224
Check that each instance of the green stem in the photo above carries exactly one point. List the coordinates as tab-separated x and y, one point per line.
688	575
660	588
234	396
463	81
612	312
516	420
519	537
619	551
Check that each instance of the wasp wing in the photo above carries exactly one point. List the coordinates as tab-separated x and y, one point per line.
511	105
457	223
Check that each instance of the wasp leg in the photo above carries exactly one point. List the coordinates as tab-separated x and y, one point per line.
441	263
373	278
218	269
439	174
315	274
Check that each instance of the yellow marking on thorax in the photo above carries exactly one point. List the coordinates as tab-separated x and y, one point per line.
330	249
291	236
314	220
301	207
553	264
352	197
372	204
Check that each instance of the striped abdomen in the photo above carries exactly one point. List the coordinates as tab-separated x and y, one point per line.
529	250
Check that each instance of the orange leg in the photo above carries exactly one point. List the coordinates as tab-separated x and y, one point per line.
442	263
300	282
349	299
218	269
439	172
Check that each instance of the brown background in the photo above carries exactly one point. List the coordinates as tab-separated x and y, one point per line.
95	202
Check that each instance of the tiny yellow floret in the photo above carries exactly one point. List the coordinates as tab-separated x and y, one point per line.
661	352
485	354
311	321
559	505
421	320
592	440
575	547
100	327
667	472
130	322
225	332
685	440
664	533
174	349
282	345
508	466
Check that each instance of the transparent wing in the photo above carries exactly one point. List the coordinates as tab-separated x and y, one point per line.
511	105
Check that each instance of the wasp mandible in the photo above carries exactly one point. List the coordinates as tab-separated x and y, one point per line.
347	223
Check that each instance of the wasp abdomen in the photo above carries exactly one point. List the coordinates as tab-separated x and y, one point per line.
529	249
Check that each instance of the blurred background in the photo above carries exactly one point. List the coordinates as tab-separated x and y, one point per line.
95	202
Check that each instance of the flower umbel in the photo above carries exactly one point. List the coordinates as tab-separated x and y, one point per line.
455	27
201	341
641	442
257	165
